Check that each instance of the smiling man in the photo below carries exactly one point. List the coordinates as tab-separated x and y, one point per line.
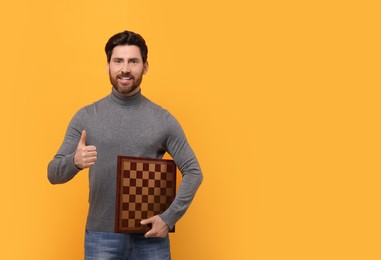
126	69
124	123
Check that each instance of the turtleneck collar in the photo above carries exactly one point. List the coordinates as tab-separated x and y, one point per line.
126	101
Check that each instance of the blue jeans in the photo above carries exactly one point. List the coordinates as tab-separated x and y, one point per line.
107	246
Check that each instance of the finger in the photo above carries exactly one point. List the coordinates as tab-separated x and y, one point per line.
149	234
152	232
144	222
90	164
147	222
82	160
90	148
90	160
82	141
89	153
156	233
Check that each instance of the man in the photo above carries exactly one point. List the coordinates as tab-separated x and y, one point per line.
124	123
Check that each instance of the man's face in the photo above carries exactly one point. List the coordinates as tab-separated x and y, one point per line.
126	69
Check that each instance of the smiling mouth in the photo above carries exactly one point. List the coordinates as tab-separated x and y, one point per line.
125	80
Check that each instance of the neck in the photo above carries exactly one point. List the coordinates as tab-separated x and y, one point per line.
128	94
126	100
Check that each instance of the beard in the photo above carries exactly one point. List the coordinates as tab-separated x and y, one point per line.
128	88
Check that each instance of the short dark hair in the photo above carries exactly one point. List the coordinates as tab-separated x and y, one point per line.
126	38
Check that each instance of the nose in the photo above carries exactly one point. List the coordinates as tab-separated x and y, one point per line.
126	68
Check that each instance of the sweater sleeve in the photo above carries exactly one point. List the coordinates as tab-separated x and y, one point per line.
61	168
185	159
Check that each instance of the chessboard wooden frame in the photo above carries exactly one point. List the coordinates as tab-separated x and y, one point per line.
122	224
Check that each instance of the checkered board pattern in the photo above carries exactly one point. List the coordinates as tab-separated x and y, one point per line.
145	187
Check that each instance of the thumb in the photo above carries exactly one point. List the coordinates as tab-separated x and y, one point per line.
82	141
144	222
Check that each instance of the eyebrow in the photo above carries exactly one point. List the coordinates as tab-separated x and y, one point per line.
130	59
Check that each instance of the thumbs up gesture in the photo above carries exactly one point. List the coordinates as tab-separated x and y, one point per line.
85	156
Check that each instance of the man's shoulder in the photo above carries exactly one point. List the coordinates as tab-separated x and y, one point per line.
100	102
155	107
162	114
97	105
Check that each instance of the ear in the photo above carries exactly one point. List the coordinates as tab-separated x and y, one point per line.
145	67
108	67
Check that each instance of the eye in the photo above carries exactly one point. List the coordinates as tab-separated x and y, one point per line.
118	61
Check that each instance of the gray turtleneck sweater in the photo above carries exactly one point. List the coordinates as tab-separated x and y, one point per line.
130	126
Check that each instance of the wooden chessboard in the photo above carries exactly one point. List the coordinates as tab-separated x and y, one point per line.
145	188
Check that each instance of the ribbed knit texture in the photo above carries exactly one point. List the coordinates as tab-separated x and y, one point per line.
130	126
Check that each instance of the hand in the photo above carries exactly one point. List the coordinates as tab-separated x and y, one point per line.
159	227
85	156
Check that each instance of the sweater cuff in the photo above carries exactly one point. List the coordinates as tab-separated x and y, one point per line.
71	164
169	217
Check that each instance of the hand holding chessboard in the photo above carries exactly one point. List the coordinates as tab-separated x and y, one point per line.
145	188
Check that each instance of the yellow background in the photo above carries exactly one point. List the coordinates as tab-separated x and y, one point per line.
279	99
